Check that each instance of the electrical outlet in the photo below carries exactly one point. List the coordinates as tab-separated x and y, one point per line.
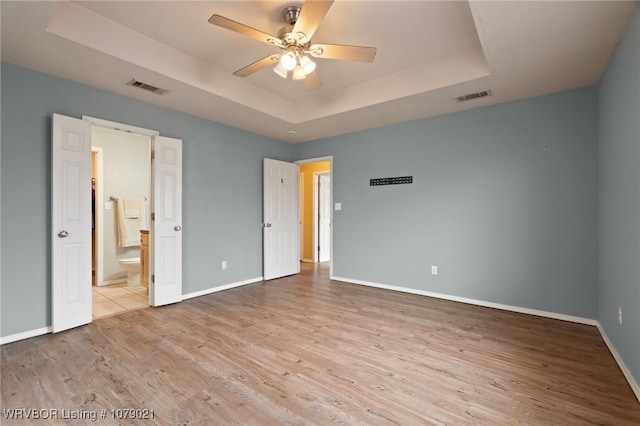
620	314
224	264
434	270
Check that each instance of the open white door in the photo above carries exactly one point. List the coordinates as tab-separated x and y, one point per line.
166	223
281	228
324	217
71	223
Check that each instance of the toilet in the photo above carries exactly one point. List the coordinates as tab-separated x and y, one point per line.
132	266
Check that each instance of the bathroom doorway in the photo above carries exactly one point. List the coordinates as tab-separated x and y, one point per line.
121	167
71	219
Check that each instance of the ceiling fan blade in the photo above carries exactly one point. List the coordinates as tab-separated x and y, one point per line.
344	52
310	17
257	65
312	81
232	25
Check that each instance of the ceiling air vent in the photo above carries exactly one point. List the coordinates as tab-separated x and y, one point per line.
147	87
473	96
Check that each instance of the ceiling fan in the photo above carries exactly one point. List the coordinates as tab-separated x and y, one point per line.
294	40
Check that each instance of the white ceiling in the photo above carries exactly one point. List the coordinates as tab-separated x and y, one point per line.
428	52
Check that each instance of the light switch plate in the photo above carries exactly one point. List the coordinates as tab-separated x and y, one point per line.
338	206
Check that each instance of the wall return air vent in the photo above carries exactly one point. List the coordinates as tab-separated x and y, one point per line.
470	96
147	87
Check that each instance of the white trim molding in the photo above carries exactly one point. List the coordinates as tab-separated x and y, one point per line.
25	335
49	329
621	364
221	288
99	122
553	315
580	320
111	282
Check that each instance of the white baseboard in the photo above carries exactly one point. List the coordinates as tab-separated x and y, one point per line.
486	304
45	330
25	335
111	282
221	288
621	364
625	371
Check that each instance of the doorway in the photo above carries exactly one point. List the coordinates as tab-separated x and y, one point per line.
121	169
316	212
322	205
71	219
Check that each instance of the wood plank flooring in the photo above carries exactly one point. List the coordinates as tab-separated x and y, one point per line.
305	350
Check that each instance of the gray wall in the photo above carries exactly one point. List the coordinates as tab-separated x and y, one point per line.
619	217
503	201
222	189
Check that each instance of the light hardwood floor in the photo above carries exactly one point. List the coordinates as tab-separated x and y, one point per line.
306	350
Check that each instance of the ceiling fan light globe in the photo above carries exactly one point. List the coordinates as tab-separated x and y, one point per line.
280	70
298	74
308	66
288	61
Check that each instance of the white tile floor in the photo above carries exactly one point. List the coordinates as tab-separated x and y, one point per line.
118	298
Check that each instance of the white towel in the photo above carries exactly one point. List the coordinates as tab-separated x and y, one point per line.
132	207
129	228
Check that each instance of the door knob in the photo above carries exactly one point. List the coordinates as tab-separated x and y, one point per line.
177	228
267	225
63	234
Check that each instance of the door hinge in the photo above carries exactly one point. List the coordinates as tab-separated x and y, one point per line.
153	216
153	155
153	278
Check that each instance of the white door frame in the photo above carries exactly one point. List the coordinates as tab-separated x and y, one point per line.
316	213
330	160
98	215
99	122
301	214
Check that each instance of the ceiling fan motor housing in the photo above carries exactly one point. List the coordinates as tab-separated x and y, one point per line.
290	14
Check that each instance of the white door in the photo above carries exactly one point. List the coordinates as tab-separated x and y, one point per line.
324	217
166	224
280	225
71	223
301	214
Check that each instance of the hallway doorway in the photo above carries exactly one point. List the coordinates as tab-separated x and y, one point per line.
315	210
